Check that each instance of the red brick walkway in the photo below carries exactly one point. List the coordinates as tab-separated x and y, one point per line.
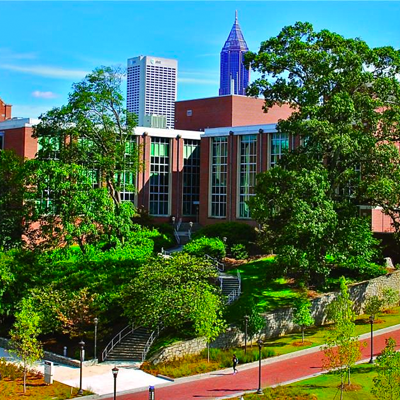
223	383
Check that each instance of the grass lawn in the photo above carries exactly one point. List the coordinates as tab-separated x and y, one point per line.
262	287
324	387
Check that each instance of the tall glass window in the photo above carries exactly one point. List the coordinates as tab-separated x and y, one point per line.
219	172
247	172
191	176
127	177
279	145
159	176
1	141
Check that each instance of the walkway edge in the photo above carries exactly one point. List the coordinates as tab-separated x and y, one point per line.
271	360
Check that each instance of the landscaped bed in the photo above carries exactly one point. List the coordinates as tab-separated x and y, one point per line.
11	385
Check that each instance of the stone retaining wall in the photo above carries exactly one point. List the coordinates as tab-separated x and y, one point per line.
280	322
179	350
49	356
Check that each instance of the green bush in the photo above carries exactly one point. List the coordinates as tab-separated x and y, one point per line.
239	252
235	233
199	247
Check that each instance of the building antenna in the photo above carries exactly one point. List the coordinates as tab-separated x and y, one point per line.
236	16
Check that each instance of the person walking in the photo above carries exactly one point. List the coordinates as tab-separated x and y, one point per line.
234	363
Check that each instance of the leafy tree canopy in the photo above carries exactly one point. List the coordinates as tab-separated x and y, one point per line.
92	143
346	111
173	291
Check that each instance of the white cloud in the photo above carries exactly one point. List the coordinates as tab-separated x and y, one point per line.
8	54
44	95
47	72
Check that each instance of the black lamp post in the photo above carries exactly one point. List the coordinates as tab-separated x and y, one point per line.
371	321
246	321
115	373
152	395
96	321
259	342
82	349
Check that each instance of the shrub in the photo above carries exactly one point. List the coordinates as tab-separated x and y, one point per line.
199	247
390	298
239	252
235	233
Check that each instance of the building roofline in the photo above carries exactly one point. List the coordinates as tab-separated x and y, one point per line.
16	122
217	97
239	130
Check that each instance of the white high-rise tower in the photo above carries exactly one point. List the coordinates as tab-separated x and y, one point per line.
152	88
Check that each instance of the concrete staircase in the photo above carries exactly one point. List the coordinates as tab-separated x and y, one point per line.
131	347
184	229
229	283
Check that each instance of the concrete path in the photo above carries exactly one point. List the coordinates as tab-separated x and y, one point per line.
98	378
277	370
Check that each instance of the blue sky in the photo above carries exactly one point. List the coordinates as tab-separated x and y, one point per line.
46	46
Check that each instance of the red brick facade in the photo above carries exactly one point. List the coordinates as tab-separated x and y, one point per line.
213	112
17	136
5	111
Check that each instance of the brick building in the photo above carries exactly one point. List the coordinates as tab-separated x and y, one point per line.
5	111
16	134
222	111
175	181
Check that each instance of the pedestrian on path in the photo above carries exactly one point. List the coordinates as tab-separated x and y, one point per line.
234	363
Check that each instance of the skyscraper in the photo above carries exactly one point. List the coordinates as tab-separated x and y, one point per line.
152	87
234	76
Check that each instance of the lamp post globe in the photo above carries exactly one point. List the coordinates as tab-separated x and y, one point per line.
115	374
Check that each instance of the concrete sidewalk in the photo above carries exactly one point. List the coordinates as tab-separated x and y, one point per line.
98	378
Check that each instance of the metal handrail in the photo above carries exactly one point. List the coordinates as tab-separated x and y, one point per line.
178	239
219	265
178	225
117	339
150	341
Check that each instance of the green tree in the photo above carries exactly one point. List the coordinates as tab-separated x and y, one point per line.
207	317
24	336
387	383
173	291
390	298
255	324
302	315
373	305
95	132
342	348
12	189
69	210
345	98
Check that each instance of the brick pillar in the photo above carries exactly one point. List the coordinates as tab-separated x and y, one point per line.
143	189
204	180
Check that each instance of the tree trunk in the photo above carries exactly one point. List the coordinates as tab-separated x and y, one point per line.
208	352
348	377
302	334
341	387
24	380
